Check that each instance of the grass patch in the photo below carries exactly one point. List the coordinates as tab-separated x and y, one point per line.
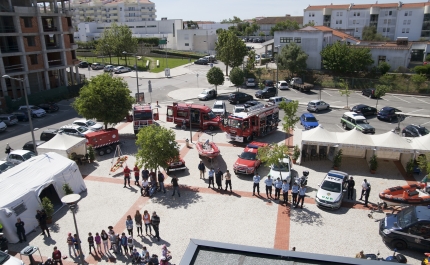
171	63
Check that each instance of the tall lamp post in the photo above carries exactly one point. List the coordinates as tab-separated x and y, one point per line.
277	68
30	119
71	200
137	75
191	137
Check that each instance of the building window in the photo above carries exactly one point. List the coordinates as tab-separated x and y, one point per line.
409	22
381	59
390	13
187	44
383	30
407	30
340	21
337	14
286	40
298	40
404	22
388	29
33	59
358	14
410	13
27	22
356	30
389	21
353	22
309	14
313	14
406	13
341	13
31	41
403	30
355	14
385	21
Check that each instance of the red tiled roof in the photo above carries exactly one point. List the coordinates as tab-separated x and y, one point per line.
337	33
327	6
383	45
274	20
366	6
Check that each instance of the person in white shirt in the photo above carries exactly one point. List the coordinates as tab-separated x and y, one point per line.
269	183
302	193
211	174
294	192
256	179
145	187
363	189
278	188
285	189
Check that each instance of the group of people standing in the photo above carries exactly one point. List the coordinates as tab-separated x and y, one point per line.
149	185
217	175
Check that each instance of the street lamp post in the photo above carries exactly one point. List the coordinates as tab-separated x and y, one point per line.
71	201
30	119
277	68
191	137
137	75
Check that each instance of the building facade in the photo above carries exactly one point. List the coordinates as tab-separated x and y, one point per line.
267	23
37	45
106	11
392	20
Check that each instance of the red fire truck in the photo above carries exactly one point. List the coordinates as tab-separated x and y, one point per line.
143	115
103	141
202	116
245	126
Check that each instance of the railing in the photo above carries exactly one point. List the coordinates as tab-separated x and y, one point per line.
13	68
52	46
57	62
10	48
4	8
7	29
48	29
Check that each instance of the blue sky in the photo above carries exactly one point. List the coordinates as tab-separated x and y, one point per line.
216	10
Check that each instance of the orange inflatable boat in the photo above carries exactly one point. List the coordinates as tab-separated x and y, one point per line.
414	194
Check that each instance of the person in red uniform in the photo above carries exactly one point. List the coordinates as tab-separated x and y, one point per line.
136	175
126	176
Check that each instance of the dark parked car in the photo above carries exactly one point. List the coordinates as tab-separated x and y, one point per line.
20	115
238	97
201	61
83	64
414	131
266	92
388	114
369	92
364	110
48	134
30	147
268	83
49	107
251	103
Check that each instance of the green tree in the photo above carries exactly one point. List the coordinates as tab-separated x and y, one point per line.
369	34
273	155
230	49
258	72
384	67
236	77
104	98
250	63
418	80
284	25
380	91
156	147
345	91
215	77
428	57
387	79
290	114
293	58
424	162
342	58
309	24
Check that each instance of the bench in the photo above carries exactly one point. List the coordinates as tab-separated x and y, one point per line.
158	63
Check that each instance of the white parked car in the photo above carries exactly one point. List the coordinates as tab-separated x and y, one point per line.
75	130
18	156
250	82
239	108
219	108
121	69
277	100
109	68
332	190
6	259
5	166
34	110
282	85
282	169
3	126
90	124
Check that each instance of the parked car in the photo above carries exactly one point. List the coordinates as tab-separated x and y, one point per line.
369	92
121	69
30	146
352	120
282	169
5	166
266	92
207	94
3	126
282	85
317	105
210	58
238	97
409	228
90	124
332	190
239	108
34	110
8	119
18	156
277	100
389	114
48	134
308	121
257	58
97	66
268	83
248	162
414	131
252	103
219	108
250	82
109	68
20	115
364	110
83	65
75	130
201	61
176	165
49	107
6	259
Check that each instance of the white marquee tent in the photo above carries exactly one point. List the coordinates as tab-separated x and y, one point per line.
64	145
21	187
354	143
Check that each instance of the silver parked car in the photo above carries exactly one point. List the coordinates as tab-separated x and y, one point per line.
121	69
317	105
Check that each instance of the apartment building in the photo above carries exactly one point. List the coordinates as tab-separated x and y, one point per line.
37	44
107	11
392	20
267	23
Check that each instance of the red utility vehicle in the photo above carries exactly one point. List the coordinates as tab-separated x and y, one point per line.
143	115
247	162
176	165
103	141
202	116
245	126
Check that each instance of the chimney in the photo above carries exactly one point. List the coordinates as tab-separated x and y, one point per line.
288	15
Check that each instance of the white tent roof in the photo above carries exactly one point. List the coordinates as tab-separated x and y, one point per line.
391	141
421	143
354	138
318	135
64	145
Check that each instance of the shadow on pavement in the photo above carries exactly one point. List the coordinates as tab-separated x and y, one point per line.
306	216
188	196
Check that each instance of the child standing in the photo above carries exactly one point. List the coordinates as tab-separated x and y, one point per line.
105	239
124	243
130	243
91	242
98	240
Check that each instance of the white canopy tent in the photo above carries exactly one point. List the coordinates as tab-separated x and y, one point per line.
64	145
318	136
390	145
421	144
22	186
354	143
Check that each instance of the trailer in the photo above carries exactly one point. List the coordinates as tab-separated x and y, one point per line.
297	83
103	141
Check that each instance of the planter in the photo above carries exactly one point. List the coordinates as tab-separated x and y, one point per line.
49	220
372	171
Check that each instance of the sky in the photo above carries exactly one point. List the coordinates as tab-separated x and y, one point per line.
217	10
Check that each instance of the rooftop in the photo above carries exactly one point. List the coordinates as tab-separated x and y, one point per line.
366	6
274	20
337	33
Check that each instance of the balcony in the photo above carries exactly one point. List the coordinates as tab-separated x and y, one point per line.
89	12
113	17
13	64
54	59
81	12
9	44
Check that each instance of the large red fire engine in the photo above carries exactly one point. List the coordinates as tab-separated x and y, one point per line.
202	116
244	126
143	115
103	141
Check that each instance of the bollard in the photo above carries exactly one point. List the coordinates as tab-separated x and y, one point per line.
187	142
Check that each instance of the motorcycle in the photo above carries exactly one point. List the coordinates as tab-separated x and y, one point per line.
303	180
397	258
426	260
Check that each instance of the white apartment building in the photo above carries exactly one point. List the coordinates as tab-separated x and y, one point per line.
106	11
392	20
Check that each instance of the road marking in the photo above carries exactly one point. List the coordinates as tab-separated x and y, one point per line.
425	123
401	99
422	100
327	93
340	127
295	91
414	111
334	102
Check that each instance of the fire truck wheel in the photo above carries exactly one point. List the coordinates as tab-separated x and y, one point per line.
108	150
211	127
101	152
249	138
